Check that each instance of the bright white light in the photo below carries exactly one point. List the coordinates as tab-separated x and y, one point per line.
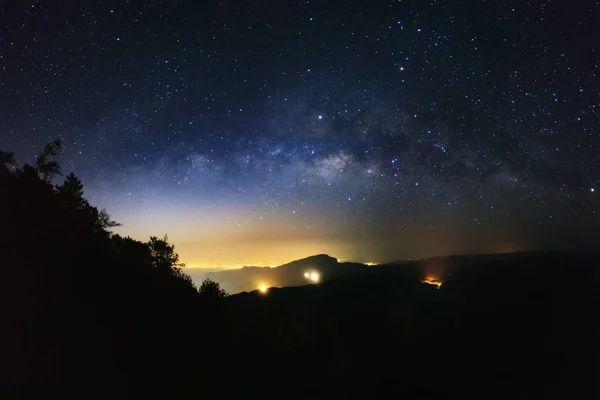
314	276
401	68
592	190
263	288
320	117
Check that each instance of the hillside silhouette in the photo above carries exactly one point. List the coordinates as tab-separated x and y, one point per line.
498	326
87	313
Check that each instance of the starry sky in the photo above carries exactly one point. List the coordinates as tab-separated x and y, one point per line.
258	132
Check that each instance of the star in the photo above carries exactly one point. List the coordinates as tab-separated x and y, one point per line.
204	124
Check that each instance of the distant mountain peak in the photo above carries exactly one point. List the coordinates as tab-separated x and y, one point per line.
316	257
316	261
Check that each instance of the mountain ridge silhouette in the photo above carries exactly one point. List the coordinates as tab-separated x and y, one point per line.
289	274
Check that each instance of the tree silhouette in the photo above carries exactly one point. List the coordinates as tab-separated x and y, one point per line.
7	158
103	220
44	165
212	290
72	192
163	254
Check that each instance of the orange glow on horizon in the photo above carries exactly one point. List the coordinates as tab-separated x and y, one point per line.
432	280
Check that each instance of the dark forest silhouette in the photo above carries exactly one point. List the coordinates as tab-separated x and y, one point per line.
82	305
88	314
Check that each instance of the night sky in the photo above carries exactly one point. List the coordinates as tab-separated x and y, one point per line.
258	132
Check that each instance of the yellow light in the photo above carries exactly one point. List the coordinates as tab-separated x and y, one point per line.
263	288
306	275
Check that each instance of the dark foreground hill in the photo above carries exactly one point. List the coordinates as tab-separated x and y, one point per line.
524	326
